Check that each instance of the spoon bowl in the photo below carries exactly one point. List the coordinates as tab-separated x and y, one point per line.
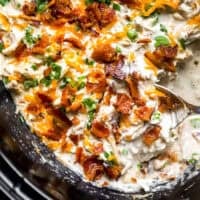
185	85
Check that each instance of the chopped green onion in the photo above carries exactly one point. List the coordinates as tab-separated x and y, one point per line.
195	122
108	2
90	105
132	34
125	152
29	38
4	2
56	71
41	5
30	83
106	154
5	80
155	17
89	62
64	82
156	117
139	166
116	7
161	41
46	81
193	160
118	49
163	28
81	82
34	67
182	43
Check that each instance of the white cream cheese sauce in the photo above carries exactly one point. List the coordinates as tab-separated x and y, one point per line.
130	154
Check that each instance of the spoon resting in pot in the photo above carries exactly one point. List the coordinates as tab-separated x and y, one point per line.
186	85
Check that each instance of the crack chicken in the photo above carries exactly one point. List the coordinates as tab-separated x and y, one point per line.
82	74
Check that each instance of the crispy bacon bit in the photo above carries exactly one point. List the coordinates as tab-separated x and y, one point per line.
40	46
20	51
144	113
144	41
167	103
115	69
96	81
96	16
44	98
52	134
101	13
132	83
58	13
114	171
116	133
66	96
151	135
167	51
124	103
61	8
132	3
47	71
80	156
58	113
107	96
75	42
97	149
60	123
75	138
74	107
47	17
34	108
29	8
104	53
75	121
163	57
93	168
99	130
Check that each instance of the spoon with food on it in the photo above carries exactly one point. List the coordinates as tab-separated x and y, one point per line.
186	84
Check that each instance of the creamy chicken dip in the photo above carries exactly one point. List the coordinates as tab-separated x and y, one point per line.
82	74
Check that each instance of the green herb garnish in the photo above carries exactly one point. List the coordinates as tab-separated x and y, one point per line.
1	46
34	67
4	2
193	160
182	43
90	105
155	17
118	49
89	62
41	5
5	80
132	35
56	71
163	28
116	7
46	81
64	81
125	152
30	83
139	166
156	117
195	122
161	41
29	38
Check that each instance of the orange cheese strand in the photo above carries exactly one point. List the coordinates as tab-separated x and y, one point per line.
157	4
195	20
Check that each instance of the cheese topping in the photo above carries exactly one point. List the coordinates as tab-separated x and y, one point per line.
82	74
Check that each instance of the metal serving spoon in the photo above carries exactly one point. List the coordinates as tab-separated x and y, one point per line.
186	84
